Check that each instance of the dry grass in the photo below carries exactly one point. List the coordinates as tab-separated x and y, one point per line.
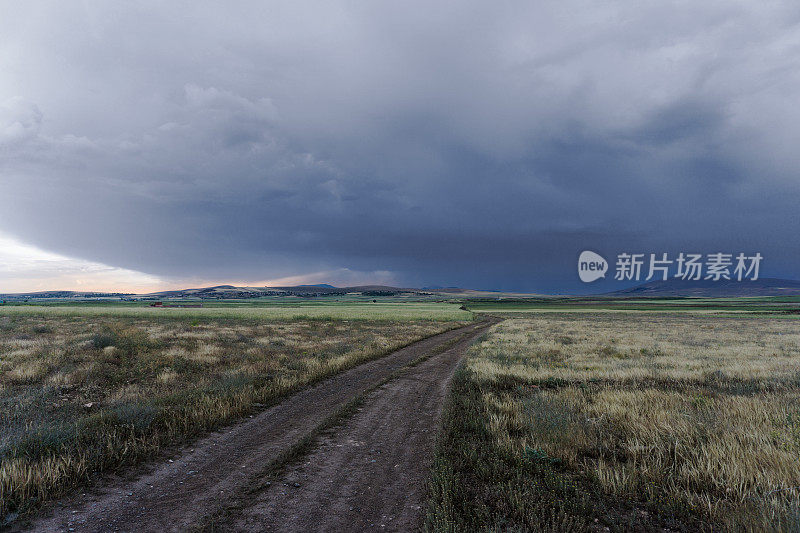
85	394
626	422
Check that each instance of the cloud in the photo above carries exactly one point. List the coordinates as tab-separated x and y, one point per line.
25	268
20	121
462	143
341	277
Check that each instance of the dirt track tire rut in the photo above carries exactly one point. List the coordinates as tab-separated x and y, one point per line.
371	474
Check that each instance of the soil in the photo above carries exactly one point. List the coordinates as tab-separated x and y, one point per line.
370	473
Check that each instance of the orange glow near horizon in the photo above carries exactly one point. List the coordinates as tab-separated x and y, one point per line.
27	268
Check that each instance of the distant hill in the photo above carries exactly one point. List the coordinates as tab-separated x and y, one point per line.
64	294
304	291
322	289
714	289
655	289
229	292
225	292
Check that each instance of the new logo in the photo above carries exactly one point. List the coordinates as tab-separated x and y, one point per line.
591	266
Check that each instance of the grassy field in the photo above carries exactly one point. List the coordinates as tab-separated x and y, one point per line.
788	306
315	310
92	389
626	422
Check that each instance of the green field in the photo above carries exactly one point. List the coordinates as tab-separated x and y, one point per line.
316	310
778	305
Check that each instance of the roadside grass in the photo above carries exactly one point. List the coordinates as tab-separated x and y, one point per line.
646	422
85	394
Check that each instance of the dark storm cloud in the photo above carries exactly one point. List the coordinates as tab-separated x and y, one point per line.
481	145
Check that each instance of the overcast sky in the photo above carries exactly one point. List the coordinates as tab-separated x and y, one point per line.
478	144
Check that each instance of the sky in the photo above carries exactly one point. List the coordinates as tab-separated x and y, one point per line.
148	145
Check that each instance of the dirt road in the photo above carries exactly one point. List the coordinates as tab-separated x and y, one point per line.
370	473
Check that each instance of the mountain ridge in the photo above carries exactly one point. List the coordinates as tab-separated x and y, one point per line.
710	289
656	289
